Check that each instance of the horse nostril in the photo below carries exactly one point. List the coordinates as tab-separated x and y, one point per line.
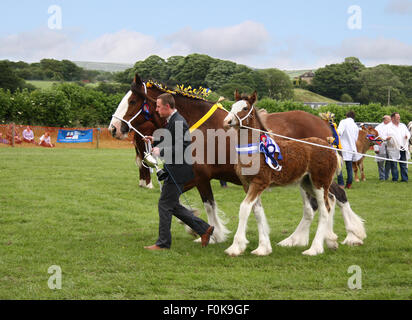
113	131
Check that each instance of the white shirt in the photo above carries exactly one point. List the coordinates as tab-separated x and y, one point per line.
399	140
349	132
168	118
382	129
28	134
47	140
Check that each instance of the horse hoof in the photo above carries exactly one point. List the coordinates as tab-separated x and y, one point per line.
352	240
292	242
262	251
312	252
332	244
234	251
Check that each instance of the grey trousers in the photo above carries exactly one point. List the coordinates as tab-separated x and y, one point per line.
169	205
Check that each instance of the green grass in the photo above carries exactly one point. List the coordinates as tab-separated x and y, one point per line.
302	95
42	84
296	73
82	210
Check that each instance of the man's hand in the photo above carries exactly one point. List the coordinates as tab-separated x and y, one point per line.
156	152
148	139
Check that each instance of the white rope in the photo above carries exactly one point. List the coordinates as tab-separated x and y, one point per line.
311	143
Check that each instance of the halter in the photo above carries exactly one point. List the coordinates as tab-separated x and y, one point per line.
129	123
245	117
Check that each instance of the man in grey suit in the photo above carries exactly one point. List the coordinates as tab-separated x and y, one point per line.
179	172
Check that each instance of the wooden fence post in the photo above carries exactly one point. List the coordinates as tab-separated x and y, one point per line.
13	133
98	138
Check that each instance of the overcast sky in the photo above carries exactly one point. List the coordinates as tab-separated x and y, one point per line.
262	33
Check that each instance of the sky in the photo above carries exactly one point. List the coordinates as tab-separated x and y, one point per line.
287	35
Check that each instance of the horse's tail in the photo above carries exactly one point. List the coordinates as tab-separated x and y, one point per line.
340	164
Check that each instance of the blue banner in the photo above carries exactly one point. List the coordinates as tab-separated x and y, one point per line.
75	136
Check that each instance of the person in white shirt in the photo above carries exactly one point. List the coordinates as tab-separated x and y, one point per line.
45	141
398	147
384	167
28	135
348	132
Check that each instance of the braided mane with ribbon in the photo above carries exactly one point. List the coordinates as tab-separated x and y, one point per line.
199	93
335	139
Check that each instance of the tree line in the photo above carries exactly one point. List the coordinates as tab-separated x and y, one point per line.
73	104
221	76
14	74
351	81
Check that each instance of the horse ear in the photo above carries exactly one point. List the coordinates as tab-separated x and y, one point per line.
237	96
137	80
252	99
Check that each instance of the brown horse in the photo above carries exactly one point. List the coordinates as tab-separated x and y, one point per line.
220	166
309	166
362	145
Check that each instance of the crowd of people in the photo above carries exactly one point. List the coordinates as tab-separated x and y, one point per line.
27	137
395	147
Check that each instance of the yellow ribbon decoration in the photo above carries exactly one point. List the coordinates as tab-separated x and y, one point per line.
205	117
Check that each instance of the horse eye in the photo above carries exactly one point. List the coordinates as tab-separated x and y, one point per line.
245	108
132	102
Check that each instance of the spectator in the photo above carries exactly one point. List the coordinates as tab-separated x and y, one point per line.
223	184
9	136
28	135
398	145
348	131
45	140
3	140
384	167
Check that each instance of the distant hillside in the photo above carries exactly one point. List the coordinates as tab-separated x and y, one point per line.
302	95
103	66
296	73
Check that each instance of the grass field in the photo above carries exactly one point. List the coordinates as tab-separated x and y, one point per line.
302	95
82	210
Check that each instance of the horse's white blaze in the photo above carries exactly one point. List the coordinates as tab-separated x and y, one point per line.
120	113
236	108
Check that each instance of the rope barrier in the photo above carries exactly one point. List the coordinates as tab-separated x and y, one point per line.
318	145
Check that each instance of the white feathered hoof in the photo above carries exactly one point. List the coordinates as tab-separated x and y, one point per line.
313	251
332	244
352	240
262	251
332	241
211	240
235	250
294	242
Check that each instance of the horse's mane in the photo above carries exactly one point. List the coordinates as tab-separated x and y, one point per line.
187	92
259	119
